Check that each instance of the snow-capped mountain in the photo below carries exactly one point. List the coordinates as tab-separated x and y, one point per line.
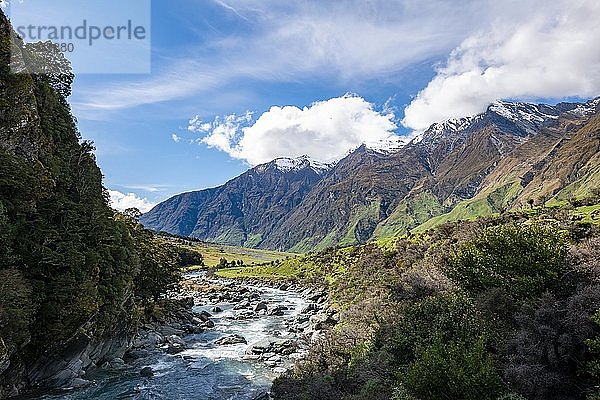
518	118
285	164
498	159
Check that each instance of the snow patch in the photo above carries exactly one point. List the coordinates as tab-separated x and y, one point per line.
286	164
587	109
529	117
389	145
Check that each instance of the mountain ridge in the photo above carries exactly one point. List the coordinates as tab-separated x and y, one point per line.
372	193
243	209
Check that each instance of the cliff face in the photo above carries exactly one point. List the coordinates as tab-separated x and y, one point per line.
494	161
66	265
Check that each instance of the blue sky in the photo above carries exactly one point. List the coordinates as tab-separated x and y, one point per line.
406	63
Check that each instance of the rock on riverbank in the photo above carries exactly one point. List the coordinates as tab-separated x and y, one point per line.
248	301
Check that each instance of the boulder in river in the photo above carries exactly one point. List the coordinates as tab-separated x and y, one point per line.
243	314
309	309
277	311
174	339
79	383
209	324
232	339
147	372
134	354
271	345
174	348
262	396
114	364
169	330
216	309
242	304
196	329
260	306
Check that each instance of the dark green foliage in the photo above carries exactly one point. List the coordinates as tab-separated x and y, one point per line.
6	255
46	61
524	260
453	370
187	257
16	309
593	367
446	318
308	388
159	267
491	309
69	264
545	355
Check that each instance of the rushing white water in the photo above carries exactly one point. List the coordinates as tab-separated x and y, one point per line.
205	370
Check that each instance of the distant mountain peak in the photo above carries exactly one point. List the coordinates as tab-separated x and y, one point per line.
521	120
584	109
527	116
289	164
440	130
389	145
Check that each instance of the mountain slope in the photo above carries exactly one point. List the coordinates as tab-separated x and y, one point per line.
539	168
244	210
378	195
348	203
457	169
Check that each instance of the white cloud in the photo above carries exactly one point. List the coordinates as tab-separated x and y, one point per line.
342	41
326	131
197	125
121	201
539	49
175	138
147	187
228	7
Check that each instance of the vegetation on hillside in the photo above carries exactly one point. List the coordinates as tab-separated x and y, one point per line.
502	307
219	256
69	265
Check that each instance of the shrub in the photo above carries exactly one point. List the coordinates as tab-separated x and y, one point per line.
525	260
15	310
546	355
455	370
449	318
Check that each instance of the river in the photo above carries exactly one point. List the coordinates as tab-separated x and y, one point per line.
204	370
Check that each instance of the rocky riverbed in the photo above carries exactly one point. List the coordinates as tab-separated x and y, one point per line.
226	340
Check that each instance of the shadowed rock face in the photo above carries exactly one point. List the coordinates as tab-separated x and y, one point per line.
49	183
498	159
243	211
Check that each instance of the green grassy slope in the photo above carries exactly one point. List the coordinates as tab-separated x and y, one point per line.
213	253
331	265
411	212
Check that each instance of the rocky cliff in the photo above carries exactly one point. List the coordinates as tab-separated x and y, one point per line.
66	265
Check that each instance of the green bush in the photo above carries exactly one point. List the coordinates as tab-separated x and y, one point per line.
16	309
455	370
525	260
449	318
